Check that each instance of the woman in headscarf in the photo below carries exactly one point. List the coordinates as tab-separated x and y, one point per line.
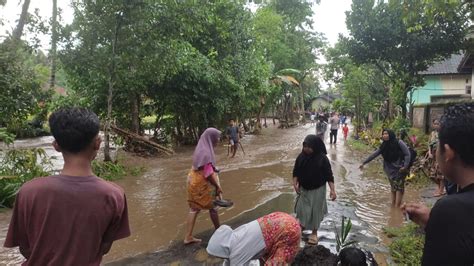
273	238
311	172
396	158
203	182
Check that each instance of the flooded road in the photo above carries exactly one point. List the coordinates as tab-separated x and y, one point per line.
157	199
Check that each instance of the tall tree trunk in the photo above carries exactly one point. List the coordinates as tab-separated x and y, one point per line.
405	100
302	111
54	40
108	120
110	95
258	126
179	133
273	114
18	32
136	114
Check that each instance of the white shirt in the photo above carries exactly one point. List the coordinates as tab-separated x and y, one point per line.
247	243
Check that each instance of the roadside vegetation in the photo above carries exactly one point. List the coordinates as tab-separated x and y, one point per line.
407	244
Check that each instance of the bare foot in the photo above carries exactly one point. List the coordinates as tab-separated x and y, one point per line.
192	240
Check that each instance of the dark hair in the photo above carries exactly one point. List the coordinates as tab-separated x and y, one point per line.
74	128
315	255
352	257
457	129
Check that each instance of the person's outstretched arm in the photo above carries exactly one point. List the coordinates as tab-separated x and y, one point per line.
370	158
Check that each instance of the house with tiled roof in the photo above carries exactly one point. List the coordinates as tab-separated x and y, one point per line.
449	79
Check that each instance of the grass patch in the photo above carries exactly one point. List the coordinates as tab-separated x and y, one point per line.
358	145
407	244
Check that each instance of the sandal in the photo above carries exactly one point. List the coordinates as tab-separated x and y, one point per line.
313	240
223	203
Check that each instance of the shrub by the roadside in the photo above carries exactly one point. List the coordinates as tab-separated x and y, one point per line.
19	166
407	244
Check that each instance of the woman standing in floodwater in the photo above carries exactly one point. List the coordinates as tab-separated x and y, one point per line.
311	172
396	158
203	183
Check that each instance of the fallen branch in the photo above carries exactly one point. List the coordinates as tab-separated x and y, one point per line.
141	140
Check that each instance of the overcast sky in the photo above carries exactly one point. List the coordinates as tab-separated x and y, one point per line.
10	13
329	17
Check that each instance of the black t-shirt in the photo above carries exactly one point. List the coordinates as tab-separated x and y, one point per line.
450	230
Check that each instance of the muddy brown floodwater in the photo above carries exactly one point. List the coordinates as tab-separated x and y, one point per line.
157	199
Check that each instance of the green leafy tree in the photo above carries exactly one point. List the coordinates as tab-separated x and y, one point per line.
403	45
360	87
18	82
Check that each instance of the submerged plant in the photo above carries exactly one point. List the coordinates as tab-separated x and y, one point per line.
342	240
108	170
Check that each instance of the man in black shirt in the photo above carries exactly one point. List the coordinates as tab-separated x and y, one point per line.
449	225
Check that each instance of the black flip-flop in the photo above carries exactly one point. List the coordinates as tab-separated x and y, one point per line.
223	203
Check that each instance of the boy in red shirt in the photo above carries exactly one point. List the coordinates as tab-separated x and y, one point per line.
345	131
71	218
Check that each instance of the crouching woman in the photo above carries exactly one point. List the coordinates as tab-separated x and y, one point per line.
273	238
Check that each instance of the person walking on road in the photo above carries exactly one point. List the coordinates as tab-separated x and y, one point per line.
334	122
321	127
203	183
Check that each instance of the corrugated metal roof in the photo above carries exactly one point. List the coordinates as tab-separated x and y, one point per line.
447	66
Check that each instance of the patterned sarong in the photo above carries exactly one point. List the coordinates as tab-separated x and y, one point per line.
201	193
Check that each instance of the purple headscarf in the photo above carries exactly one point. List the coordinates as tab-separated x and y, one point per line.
204	152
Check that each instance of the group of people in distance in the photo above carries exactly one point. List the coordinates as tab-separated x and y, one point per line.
73	218
334	122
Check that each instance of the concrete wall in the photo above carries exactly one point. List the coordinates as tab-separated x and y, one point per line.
419	114
442	85
455	84
423	114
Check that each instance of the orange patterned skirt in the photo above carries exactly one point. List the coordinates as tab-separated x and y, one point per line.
282	234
